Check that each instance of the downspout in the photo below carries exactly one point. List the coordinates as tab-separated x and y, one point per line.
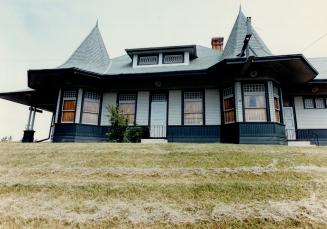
50	131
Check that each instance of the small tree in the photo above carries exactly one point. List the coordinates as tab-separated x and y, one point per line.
118	124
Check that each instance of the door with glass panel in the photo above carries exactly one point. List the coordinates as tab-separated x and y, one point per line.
158	116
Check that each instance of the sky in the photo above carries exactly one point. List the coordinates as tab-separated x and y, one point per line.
38	34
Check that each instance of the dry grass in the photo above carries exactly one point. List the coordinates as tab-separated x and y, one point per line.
156	186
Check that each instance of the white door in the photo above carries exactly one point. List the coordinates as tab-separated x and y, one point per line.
289	123
158	120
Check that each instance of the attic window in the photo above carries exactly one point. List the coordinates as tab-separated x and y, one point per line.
176	58
148	60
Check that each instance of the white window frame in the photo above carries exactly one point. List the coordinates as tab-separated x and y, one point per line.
97	100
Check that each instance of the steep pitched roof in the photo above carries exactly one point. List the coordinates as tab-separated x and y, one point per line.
91	55
236	40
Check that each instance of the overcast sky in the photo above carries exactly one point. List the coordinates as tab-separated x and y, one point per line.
36	34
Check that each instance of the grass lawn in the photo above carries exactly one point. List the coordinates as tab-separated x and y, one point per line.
166	185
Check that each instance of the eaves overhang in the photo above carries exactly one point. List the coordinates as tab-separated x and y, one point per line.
286	68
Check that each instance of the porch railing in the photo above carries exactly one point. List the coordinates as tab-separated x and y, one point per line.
158	131
308	135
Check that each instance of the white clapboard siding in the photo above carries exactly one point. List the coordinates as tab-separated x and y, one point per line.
271	101
212	107
175	107
58	106
238	102
309	118
109	99
142	111
79	105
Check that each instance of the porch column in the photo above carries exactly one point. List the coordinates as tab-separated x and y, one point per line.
271	101
28	125
238	102
29	132
33	119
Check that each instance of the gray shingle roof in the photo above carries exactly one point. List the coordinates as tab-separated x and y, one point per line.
321	65
207	57
236	40
91	55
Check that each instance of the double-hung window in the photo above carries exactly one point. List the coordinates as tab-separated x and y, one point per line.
255	103
127	104
68	109
276	104
229	105
91	107
193	108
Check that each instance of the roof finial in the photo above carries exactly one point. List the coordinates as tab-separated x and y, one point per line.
96	25
240	7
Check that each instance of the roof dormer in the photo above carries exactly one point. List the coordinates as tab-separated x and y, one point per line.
162	56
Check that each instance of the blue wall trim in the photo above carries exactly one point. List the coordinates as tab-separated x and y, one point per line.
244	133
320	133
194	134
254	133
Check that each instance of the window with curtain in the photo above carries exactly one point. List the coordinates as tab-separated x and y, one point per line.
255	102
229	105
127	104
193	108
276	104
68	106
91	107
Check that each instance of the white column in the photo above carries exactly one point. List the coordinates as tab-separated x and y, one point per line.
28	126
33	118
238	102
271	101
79	105
58	106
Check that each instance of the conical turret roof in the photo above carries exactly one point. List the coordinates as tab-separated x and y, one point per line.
235	41
91	55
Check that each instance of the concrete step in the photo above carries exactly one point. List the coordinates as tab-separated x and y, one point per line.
154	141
300	143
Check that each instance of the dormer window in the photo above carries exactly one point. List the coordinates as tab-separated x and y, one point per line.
148	60
176	58
162	56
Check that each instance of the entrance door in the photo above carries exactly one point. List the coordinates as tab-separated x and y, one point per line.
289	123
158	119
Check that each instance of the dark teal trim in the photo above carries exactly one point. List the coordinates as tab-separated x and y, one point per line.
193	134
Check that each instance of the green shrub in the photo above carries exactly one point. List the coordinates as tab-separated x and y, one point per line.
133	134
118	124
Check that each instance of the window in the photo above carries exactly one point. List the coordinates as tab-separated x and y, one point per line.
148	60
68	107
173	58
193	108
255	103
312	103
91	107
276	104
320	103
127	106
309	103
229	105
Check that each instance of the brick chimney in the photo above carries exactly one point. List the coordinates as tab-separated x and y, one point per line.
217	43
